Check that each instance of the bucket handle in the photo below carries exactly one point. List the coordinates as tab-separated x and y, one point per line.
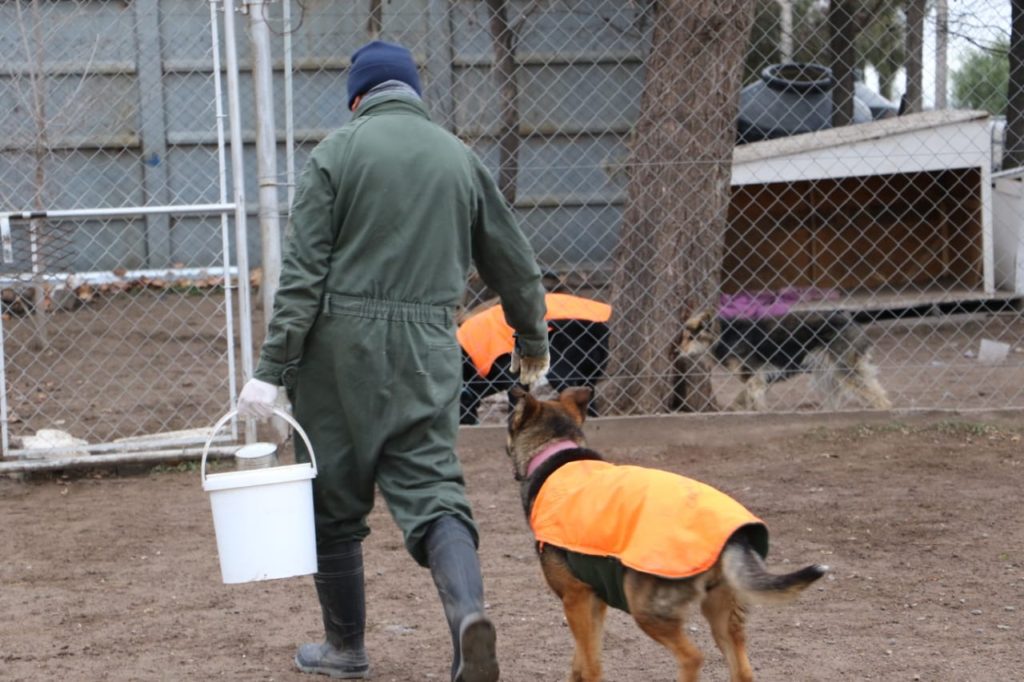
278	412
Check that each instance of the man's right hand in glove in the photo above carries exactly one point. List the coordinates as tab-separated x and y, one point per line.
530	369
257	399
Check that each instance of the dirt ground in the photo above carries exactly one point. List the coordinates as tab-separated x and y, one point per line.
116	578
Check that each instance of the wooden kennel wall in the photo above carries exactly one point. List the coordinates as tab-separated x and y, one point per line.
897	232
896	206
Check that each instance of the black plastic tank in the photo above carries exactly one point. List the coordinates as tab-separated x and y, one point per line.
788	100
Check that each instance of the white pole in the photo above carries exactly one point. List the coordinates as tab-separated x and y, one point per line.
266	153
98	461
127	446
238	186
120	211
289	107
5	442
225	242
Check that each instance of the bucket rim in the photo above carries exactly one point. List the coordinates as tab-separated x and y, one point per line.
248	478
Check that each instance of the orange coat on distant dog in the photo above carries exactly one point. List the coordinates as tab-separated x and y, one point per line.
486	335
651	520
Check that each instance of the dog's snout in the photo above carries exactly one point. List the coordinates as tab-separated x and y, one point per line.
688	345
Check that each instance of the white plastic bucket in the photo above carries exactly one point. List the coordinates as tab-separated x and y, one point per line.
263	518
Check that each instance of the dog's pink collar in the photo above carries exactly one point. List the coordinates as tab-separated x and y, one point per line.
547	453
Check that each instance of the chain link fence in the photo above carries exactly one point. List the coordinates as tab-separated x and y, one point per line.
857	201
870	219
115	321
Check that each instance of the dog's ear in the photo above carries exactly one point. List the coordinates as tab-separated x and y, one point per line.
526	407
575	400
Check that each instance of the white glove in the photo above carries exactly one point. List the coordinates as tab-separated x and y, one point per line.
279	428
257	399
529	369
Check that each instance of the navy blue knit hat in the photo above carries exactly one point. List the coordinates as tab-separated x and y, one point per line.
376	62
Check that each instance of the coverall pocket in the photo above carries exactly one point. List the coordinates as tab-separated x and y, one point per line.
444	372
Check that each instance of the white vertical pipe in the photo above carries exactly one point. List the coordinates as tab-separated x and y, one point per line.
238	187
266	154
222	186
289	106
4	433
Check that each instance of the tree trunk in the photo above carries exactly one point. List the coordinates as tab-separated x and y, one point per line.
941	50
785	30
1013	154
508	87
842	32
912	99
670	251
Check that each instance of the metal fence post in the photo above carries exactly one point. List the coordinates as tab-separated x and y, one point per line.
154	131
238	185
266	153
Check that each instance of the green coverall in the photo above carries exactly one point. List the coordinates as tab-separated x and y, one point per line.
388	213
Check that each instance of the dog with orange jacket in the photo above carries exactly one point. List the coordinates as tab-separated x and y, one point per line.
577	341
646	541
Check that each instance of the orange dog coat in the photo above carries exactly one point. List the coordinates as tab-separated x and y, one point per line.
486	335
650	520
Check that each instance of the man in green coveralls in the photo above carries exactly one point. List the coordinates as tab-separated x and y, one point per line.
388	214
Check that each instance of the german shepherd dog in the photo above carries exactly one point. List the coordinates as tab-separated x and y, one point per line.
831	346
545	437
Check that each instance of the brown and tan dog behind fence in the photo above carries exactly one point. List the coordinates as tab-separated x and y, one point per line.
830	346
604	538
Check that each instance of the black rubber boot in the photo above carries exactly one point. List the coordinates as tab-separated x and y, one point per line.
455	568
339	586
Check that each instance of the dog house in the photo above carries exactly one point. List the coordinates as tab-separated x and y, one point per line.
891	212
1008	229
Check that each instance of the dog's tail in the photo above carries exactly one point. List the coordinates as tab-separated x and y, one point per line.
746	573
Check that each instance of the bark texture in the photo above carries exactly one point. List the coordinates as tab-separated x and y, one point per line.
670	249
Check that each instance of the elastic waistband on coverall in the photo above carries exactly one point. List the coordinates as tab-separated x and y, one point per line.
381	309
